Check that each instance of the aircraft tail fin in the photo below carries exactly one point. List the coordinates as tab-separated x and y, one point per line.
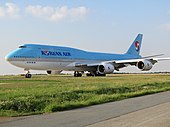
136	46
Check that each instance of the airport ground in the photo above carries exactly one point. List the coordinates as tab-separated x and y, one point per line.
146	111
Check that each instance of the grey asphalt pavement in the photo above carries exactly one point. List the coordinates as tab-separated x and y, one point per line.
96	115
157	116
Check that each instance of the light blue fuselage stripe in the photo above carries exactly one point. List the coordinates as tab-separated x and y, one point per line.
40	52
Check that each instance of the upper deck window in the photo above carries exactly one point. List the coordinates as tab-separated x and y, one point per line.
22	46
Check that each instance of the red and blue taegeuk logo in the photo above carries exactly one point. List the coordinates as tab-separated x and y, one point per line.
137	46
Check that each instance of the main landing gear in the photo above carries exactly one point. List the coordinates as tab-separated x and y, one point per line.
94	74
77	74
28	75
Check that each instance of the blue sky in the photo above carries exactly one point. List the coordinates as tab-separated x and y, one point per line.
93	25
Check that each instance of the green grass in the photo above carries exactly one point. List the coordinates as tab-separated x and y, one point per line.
44	94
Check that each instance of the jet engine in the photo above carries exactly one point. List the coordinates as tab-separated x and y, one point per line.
144	65
105	69
53	72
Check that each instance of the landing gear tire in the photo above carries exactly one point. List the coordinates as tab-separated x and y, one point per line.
95	74
28	76
77	74
100	74
90	74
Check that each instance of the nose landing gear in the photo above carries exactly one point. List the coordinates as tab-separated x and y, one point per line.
28	75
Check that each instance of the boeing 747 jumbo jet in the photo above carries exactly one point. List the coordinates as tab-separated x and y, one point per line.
54	59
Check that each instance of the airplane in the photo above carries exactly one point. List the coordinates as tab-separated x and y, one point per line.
55	59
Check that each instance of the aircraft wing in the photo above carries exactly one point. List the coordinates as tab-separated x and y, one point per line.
121	63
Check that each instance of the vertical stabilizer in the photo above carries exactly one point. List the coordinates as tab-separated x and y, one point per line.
136	46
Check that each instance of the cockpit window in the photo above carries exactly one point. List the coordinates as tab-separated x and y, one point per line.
22	46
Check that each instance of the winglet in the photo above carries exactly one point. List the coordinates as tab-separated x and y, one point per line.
136	46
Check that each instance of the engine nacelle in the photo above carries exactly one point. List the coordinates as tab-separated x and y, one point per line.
105	69
144	65
52	72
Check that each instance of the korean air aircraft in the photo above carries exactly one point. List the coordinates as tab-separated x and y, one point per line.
54	59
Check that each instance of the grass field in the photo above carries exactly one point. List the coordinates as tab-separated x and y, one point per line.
44	94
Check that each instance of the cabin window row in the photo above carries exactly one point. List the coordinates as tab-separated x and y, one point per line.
22	56
31	62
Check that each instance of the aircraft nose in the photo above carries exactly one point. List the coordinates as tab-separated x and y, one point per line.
8	57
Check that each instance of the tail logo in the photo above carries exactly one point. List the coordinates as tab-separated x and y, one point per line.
137	46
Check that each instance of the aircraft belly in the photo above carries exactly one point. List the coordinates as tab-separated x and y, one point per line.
36	65
52	64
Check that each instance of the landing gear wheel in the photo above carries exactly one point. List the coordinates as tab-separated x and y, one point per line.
89	74
95	74
98	74
28	76
77	74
